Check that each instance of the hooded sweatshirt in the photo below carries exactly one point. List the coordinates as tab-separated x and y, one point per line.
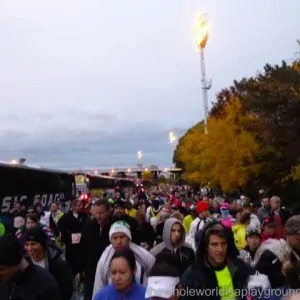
203	276
183	253
144	260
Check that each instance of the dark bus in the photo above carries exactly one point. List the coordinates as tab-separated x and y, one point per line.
33	184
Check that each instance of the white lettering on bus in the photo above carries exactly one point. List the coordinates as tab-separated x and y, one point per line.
44	199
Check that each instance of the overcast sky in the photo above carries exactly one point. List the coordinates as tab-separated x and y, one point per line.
89	83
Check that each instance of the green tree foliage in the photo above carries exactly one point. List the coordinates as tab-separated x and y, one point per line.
253	135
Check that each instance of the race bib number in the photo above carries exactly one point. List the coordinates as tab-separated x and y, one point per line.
19	222
76	238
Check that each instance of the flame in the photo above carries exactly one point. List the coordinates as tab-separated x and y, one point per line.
201	31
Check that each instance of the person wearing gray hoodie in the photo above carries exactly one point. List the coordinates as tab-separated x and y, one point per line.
174	243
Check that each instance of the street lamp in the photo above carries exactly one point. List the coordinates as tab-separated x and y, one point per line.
201	37
140	155
172	139
19	161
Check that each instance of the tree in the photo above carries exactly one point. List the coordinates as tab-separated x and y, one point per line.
147	175
269	104
296	63
162	179
227	157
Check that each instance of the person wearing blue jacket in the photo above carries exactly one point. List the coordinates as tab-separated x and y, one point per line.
122	273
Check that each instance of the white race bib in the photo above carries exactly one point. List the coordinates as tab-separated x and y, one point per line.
18	222
76	238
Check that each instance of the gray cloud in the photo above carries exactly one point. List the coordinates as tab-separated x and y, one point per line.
83	112
93	147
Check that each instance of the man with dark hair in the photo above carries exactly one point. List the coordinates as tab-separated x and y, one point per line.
120	215
94	240
20	279
217	270
71	226
174	244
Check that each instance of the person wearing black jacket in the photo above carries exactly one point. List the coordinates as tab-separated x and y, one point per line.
20	279
120	215
216	260
174	244
49	257
94	240
71	226
146	232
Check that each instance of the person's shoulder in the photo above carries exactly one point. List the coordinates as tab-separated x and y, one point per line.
267	254
103	292
157	249
138	292
140	288
40	273
194	271
42	277
194	224
242	266
91	223
58	264
187	248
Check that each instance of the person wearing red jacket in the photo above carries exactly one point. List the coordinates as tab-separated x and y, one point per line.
269	230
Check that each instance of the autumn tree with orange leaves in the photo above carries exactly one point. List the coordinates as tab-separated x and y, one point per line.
253	138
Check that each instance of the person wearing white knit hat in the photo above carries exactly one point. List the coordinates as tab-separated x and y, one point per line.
120	238
120	235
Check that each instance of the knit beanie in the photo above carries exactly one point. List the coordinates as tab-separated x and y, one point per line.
36	234
11	251
202	206
251	230
120	227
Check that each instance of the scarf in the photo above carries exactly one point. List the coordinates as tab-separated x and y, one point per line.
142	256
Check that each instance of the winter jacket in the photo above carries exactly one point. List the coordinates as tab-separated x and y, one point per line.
196	225
239	232
136	292
269	258
144	261
247	256
34	283
71	230
146	235
184	254
263	213
93	242
200	276
61	271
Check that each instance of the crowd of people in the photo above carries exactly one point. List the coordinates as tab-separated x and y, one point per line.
165	242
